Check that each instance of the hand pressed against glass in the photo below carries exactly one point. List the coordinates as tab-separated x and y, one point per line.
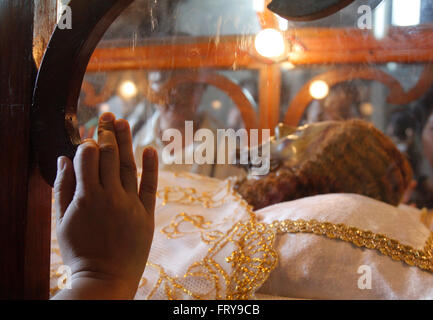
104	222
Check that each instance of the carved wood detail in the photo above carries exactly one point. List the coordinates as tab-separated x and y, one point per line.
396	94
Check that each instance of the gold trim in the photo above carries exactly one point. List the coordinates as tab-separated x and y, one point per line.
422	259
427	217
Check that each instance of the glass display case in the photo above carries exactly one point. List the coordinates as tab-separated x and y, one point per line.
253	69
237	65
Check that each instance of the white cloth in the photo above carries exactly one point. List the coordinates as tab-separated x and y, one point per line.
315	267
190	259
206	240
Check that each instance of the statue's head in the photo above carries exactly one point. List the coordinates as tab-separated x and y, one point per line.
329	157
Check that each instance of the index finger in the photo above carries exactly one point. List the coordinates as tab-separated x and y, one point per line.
109	163
149	179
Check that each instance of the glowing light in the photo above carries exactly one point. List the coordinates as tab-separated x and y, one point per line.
105	107
270	43
392	66
128	89
216	104
259	5
367	109
406	13
380	26
297	48
319	89
288	65
283	24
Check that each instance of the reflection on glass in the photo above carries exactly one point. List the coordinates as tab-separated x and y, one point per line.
319	89
270	43
406	13
166	62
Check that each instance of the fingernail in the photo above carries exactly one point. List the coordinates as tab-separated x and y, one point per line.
120	125
87	143
88	140
149	153
61	163
107	117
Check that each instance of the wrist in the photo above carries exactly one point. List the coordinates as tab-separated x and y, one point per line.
105	286
87	285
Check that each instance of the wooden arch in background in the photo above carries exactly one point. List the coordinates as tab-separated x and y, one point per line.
244	104
396	94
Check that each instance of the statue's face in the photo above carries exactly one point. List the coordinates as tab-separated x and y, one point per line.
295	145
329	157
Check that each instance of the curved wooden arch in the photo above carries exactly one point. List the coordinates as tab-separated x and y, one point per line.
54	124
244	104
233	91
396	95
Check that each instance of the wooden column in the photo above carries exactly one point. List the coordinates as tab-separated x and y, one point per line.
25	200
269	96
38	233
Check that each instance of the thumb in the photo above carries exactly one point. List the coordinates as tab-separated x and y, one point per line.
64	186
149	179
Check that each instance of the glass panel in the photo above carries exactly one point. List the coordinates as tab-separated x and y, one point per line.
217	63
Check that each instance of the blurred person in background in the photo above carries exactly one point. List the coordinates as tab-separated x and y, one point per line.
422	196
342	103
180	104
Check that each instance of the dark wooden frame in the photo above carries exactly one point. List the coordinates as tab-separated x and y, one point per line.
25	199
32	125
54	126
316	9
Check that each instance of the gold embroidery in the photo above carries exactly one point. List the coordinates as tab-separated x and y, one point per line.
172	287
428	248
191	196
143	282
211	236
173	230
238	261
54	277
215	199
427	217
250	258
421	258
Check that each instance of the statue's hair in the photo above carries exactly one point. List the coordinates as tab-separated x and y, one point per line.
353	157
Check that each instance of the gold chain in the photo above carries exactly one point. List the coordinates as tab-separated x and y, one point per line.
422	259
390	247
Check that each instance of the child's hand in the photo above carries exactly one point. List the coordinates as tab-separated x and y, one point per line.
104	224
